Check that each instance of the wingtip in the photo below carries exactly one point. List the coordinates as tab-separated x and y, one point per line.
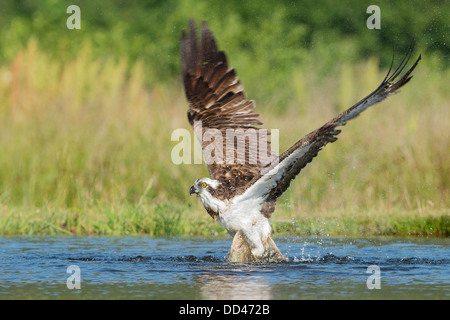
191	26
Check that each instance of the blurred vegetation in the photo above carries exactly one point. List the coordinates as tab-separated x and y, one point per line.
267	40
87	115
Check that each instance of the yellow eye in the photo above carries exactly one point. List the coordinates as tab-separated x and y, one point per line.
204	184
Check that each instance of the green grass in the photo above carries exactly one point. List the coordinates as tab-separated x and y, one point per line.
85	149
364	224
160	220
170	220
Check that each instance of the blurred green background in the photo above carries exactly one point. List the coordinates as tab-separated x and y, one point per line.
86	115
265	36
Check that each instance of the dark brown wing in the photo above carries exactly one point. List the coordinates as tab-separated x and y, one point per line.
275	179
217	107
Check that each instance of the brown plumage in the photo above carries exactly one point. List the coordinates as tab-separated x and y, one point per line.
217	99
328	132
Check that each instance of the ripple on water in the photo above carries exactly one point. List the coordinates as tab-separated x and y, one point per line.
197	268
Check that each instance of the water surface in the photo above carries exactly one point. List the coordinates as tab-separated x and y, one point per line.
196	268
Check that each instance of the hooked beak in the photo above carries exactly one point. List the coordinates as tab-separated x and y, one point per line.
192	190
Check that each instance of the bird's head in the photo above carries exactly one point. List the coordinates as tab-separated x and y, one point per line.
204	187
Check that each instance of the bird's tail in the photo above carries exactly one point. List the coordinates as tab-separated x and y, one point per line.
240	251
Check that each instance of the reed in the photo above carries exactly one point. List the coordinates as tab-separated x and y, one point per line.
86	144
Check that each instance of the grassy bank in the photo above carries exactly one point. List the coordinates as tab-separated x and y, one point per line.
369	223
173	220
86	150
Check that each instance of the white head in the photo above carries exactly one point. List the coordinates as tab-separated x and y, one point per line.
205	189
204	185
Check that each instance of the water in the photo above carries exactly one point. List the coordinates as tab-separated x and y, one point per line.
195	268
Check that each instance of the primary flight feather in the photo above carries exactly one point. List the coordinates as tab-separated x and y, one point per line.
245	182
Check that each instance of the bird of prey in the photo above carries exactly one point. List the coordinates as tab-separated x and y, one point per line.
244	186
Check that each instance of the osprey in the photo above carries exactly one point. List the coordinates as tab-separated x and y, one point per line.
241	195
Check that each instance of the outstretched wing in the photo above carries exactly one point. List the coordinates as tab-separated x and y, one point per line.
276	178
217	107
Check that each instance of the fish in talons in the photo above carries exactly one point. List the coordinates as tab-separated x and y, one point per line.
240	251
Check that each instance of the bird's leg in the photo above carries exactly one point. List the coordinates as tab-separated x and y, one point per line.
255	243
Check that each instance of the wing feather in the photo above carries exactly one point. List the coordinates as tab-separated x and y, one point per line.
275	179
217	99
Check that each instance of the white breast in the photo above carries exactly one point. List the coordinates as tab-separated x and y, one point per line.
241	216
